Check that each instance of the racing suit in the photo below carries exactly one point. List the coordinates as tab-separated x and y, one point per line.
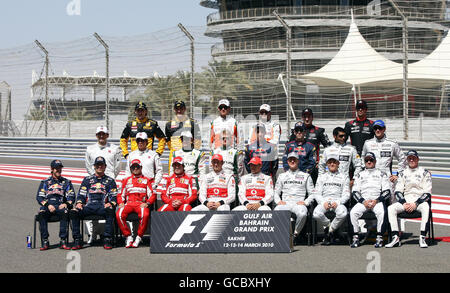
316	136
266	151
110	152
385	150
94	193
370	184
273	134
347	155
54	192
151	165
112	155
293	186
216	187
194	163
148	126
359	131
233	161
181	187
173	131
218	126
413	186
136	190
306	153
332	187
255	188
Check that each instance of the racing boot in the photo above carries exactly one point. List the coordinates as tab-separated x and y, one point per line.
379	241
77	244
355	241
107	243
45	245
327	239
63	244
129	242
394	243
137	241
422	242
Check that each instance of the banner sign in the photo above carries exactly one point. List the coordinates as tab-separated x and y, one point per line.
220	232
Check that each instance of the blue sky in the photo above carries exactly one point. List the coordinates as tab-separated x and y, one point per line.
23	21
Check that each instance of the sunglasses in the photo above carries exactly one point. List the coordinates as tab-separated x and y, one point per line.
378	128
135	167
341	136
369	160
140	140
223	107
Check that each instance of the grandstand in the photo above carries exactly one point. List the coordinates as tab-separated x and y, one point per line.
252	37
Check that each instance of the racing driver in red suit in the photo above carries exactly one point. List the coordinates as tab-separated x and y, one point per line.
180	189
136	196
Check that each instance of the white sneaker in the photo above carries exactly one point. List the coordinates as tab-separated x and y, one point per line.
129	241
422	242
137	241
394	243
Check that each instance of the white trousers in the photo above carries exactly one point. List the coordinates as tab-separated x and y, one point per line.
319	215
359	209
300	211
244	208
203	208
396	208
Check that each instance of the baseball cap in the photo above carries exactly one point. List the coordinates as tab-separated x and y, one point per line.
103	129
186	134
178	160
264	107
299	126
224	102
255	161
379	123
56	164
307	111
217	157
370	155
136	162
179	104
361	104
140	105
99	160
292	155
333	157
412	153
142	135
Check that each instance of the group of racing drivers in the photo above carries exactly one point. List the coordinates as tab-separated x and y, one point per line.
321	183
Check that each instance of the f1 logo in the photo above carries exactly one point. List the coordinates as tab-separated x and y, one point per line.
213	229
185	227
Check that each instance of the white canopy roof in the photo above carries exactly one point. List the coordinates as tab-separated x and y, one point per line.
435	68
357	63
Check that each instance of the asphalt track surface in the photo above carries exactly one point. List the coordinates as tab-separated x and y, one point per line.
18	206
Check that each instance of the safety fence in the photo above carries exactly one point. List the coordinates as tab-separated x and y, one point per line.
434	156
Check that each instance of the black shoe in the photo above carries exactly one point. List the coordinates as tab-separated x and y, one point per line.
107	243
77	244
63	244
328	239
45	244
355	242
